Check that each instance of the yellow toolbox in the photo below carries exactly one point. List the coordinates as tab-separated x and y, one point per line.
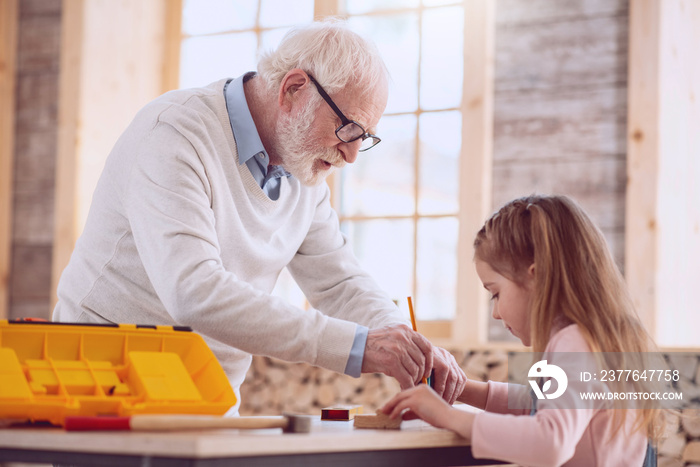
49	371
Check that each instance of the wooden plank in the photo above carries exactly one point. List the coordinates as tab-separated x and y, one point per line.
37	166
598	184
475	165
36	98
570	54
9	19
33	218
565	124
32	280
36	127
38	39
173	39
324	8
643	153
548	11
65	208
40	7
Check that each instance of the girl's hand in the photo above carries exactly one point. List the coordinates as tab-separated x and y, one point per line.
424	403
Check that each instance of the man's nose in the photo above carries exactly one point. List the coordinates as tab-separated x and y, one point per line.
350	150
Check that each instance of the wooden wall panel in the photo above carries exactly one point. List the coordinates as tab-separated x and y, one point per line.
560	117
34	157
576	52
562	124
555	11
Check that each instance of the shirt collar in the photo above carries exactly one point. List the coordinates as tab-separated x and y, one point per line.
244	131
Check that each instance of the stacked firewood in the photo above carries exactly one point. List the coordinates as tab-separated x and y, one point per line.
273	386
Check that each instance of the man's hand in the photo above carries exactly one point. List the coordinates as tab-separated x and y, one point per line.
400	352
449	379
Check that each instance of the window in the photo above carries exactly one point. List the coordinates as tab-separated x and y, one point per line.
223	38
399	203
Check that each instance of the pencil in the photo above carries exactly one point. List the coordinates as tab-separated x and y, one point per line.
413	323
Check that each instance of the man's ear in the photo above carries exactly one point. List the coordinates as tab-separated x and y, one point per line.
294	81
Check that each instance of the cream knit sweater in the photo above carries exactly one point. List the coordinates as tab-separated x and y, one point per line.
179	233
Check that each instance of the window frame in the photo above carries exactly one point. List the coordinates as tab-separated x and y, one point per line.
469	326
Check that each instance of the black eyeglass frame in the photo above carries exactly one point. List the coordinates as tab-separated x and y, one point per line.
345	121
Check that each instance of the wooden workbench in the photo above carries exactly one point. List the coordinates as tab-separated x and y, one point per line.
330	443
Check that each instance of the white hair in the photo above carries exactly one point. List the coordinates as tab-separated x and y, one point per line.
330	52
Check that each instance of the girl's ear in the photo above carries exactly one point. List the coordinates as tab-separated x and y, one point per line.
531	271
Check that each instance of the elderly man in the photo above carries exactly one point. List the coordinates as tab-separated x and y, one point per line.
211	192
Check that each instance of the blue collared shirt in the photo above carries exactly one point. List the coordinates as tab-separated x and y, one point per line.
252	153
250	149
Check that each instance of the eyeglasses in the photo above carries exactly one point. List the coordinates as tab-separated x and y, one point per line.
349	130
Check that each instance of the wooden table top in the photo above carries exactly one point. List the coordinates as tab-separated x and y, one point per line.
325	436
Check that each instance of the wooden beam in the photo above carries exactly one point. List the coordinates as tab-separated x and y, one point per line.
662	243
475	194
173	40
325	8
9	19
112	63
65	227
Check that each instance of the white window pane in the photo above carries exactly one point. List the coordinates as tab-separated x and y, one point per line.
440	2
440	145
436	288
275	13
356	7
210	58
269	40
385	250
396	37
441	62
212	16
381	181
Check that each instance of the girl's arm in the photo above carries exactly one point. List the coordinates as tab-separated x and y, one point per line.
475	394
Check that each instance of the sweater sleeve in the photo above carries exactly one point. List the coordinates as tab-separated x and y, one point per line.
499	394
167	203
550	437
328	272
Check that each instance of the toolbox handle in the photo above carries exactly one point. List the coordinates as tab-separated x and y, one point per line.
108	325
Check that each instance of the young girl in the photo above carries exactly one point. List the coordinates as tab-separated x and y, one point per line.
556	287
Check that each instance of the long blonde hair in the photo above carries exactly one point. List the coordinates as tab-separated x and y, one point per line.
576	278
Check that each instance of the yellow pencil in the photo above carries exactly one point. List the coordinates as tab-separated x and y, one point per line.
413	323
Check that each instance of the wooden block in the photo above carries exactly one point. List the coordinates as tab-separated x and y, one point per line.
691	422
341	412
379	421
691	453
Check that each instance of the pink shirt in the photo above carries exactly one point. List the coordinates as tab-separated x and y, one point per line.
568	437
